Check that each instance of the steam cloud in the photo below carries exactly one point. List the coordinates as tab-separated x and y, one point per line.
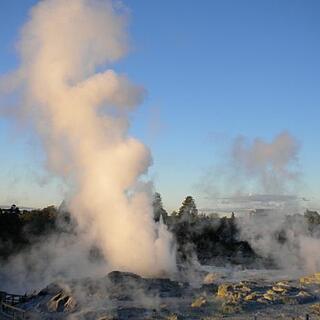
272	164
255	173
265	175
82	117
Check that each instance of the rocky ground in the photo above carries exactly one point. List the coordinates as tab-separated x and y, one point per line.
122	295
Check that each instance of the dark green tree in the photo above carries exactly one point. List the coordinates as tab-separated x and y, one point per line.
188	208
158	210
312	217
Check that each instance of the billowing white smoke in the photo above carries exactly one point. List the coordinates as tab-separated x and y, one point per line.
271	164
265	175
254	173
273	168
82	117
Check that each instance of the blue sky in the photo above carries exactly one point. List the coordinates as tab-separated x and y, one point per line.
212	70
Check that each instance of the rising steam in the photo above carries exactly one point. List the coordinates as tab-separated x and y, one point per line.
271	164
81	112
265	175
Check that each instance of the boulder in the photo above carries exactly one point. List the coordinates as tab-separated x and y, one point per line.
312	279
199	302
165	288
305	297
315	308
118	277
61	302
210	278
235	293
251	297
224	290
124	285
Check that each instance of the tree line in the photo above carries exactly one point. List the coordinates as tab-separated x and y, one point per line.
209	239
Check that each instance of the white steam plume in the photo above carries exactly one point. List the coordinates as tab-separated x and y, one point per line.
265	175
82	117
255	173
271	164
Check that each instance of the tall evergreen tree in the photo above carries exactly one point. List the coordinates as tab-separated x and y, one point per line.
158	210
188	208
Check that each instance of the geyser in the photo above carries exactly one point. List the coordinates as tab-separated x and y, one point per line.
81	112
